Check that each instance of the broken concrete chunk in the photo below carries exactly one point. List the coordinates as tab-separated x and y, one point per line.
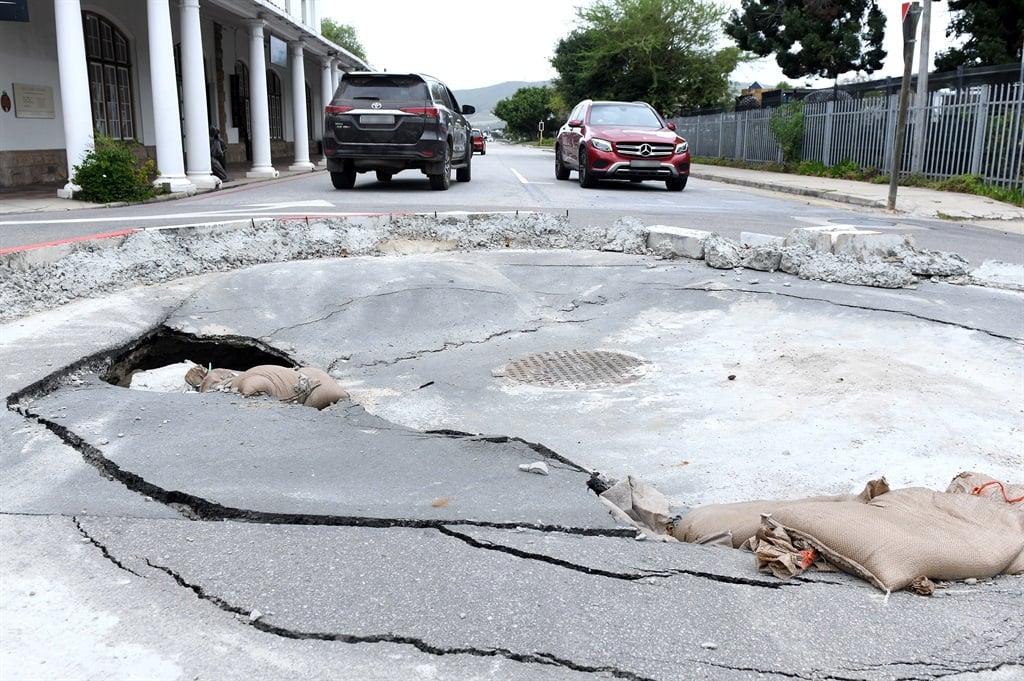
669	241
845	270
761	258
721	253
934	263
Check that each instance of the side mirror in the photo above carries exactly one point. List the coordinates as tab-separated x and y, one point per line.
468	109
575	123
671	126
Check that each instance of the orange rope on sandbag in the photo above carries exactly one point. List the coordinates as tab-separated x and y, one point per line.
977	491
809	556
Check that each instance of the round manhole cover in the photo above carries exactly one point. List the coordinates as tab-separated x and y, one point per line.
575	369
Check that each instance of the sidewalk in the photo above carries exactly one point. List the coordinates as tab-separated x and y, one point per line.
915	201
42	198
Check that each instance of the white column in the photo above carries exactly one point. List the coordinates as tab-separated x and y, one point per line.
261	163
335	77
166	117
75	104
326	94
300	122
193	80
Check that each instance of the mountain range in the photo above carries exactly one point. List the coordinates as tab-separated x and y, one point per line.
485	99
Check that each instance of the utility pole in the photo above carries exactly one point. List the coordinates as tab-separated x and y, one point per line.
922	102
911	13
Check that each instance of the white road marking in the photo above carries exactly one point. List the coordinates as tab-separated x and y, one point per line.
288	204
522	180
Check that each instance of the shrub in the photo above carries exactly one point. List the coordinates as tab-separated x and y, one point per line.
812	168
787	124
845	170
111	172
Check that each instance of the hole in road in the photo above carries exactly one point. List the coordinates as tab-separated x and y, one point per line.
166	347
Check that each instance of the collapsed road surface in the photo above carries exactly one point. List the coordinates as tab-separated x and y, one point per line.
166	534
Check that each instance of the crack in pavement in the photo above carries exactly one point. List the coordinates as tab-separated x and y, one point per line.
906	313
254	619
941	669
626	576
102	548
197	508
448	345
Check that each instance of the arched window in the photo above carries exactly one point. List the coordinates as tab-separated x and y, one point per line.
110	82
274	101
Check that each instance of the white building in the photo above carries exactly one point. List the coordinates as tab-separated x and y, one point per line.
163	72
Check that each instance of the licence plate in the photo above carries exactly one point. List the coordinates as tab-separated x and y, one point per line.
377	119
645	165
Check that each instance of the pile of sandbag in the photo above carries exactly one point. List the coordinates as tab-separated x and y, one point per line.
893	538
301	385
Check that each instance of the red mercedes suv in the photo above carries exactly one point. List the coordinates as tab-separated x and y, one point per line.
621	141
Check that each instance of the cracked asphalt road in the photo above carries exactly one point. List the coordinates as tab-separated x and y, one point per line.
177	535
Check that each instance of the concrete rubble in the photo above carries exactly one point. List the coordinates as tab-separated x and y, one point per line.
41	279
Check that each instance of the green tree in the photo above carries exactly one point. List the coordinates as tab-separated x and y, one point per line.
342	35
659	51
525	108
996	30
823	38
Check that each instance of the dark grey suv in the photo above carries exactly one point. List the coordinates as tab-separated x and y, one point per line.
390	122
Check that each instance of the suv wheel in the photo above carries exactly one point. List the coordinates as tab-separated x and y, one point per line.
465	173
443	180
346	179
561	172
675	184
586	178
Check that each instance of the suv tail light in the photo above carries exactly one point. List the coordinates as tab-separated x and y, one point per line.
331	109
430	111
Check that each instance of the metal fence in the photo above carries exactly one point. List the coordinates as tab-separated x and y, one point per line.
976	131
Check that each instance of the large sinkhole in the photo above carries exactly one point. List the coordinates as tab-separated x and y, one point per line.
166	346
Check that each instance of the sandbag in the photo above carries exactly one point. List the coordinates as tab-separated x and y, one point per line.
979	484
301	385
636	503
734	524
908	534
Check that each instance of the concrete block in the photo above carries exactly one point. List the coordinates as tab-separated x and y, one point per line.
753	239
870	244
677	241
818	239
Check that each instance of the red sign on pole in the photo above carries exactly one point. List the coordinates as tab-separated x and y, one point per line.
911	13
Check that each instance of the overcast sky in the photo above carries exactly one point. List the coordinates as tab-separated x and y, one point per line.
485	44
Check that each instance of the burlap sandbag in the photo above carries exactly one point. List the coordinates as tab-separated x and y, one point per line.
906	534
636	503
302	385
734	524
986	486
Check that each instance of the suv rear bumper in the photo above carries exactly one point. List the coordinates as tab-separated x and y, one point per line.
366	157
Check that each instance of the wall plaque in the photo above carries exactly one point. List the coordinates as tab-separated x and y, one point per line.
33	101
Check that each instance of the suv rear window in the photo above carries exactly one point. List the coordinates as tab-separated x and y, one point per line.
383	88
